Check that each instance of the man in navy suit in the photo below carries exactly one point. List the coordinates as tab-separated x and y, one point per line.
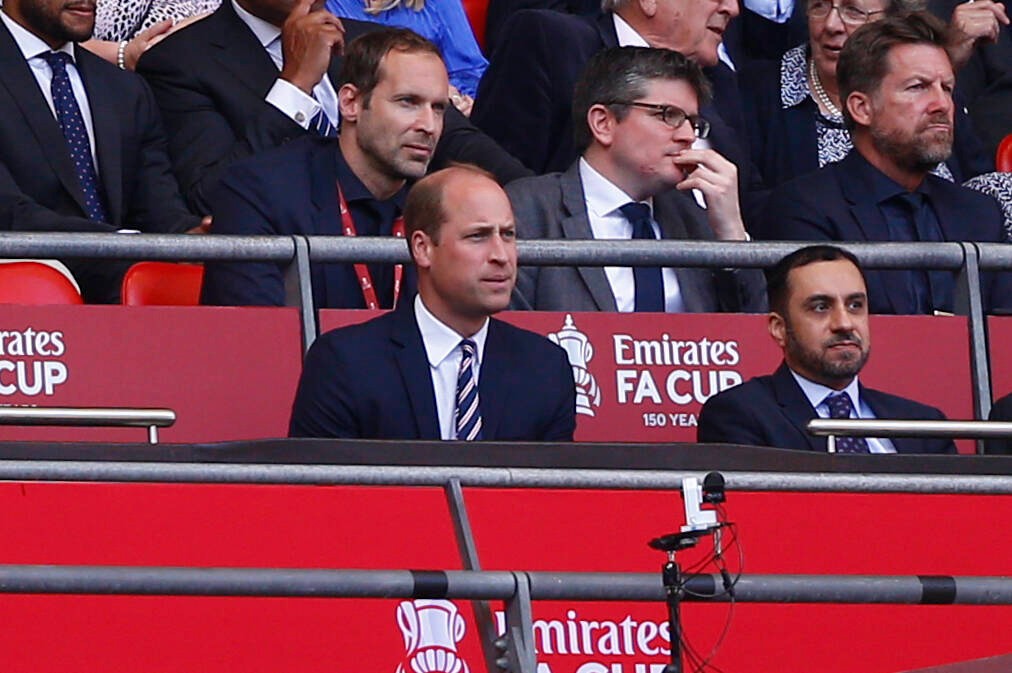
439	367
253	75
81	144
819	317
392	95
896	82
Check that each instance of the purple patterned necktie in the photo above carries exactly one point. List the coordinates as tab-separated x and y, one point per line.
72	123
840	406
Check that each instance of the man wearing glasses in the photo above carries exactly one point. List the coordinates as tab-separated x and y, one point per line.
635	113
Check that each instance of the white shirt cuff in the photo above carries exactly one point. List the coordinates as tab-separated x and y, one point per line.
293	102
774	10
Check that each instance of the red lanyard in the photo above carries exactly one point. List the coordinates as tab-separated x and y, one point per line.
361	270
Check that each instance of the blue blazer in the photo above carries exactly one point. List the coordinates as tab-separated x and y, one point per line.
288	190
832	204
372	381
773	411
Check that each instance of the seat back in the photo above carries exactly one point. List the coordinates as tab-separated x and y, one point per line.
1003	160
162	284
36	283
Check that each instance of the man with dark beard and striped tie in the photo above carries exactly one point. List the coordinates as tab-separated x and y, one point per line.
439	367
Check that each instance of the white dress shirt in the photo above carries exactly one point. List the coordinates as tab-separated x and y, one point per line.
817	394
32	47
285	96
603	201
442	349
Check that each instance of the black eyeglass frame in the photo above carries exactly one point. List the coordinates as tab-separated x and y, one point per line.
672	115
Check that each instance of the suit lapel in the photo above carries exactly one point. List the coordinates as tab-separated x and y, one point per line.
238	51
23	89
883	409
868	220
494	386
576	226
796	406
693	284
605	24
409	352
105	120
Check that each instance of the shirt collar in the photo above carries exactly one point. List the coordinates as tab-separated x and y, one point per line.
30	44
794	77
266	32
627	37
440	339
603	197
817	393
876	183
353	188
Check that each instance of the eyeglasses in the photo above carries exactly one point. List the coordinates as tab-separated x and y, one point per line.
671	115
849	14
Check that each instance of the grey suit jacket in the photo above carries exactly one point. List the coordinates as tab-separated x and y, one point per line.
553	206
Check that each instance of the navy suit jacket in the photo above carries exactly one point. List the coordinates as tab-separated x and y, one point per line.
1001	411
554	207
210	80
39	190
284	191
773	411
525	99
833	204
372	381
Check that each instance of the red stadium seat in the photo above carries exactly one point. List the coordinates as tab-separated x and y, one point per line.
36	283
162	284
1003	161
476	11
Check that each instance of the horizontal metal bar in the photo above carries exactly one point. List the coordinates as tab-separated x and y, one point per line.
878	427
491	477
496	585
176	247
995	256
533	252
87	416
902	589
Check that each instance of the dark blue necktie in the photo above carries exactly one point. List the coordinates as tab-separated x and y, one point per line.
72	124
937	285
840	406
468	413
648	279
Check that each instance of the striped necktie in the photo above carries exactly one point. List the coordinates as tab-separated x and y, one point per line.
468	414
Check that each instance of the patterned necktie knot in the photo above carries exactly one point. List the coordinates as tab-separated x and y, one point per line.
57	60
468	413
840	406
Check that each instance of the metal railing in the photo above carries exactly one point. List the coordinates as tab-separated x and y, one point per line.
117	417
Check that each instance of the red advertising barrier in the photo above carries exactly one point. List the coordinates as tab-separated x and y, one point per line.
399	527
644	378
228	373
999	332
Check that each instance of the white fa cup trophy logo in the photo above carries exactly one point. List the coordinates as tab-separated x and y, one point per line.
431	629
580	352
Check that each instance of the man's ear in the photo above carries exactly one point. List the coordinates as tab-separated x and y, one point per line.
860	108
777	327
601	122
349	101
647	7
421	249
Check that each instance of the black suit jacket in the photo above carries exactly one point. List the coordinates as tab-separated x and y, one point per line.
39	190
773	411
372	381
554	207
525	99
1001	411
210	80
834	204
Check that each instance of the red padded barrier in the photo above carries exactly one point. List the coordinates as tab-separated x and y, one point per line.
999	338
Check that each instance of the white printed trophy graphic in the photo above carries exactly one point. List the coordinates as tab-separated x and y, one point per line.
431	629
580	352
